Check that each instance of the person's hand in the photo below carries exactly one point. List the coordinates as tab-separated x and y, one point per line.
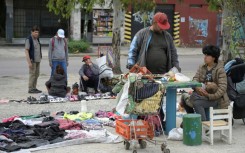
201	91
128	66
30	65
85	78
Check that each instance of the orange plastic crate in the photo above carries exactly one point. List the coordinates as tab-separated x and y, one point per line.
126	130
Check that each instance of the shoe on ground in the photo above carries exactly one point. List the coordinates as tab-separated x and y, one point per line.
34	91
38	91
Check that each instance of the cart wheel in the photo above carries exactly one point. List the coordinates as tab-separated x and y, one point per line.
166	151
135	151
163	147
126	145
243	120
142	144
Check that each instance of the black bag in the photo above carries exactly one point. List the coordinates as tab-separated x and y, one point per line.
240	100
145	90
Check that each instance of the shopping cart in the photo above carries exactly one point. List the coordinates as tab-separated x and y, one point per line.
145	98
133	132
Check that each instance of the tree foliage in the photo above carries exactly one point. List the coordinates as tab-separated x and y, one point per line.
65	7
233	25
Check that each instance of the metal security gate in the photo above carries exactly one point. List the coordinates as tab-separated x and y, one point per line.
137	18
34	12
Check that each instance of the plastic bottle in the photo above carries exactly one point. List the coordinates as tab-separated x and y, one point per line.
83	106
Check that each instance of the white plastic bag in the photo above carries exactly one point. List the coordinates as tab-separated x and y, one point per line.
123	100
105	71
181	77
176	134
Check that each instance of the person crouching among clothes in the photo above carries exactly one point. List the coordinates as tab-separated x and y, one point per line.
89	74
57	84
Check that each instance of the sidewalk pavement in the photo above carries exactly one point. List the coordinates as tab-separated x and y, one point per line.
14	88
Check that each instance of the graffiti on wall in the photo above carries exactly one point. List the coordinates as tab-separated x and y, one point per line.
198	30
139	17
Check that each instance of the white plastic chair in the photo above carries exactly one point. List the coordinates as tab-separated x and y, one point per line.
220	120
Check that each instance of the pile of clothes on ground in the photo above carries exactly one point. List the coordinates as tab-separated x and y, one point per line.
45	131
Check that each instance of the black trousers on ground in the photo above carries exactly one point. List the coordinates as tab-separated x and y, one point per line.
92	83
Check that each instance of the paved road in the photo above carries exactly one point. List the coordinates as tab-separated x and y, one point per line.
14	66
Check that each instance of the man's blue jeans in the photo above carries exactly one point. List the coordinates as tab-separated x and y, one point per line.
62	63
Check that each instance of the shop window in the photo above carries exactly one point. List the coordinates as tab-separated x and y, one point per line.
102	23
35	12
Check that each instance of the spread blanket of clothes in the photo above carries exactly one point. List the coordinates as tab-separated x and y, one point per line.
44	130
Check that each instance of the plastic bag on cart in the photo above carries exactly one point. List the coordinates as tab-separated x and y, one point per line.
176	134
105	71
123	99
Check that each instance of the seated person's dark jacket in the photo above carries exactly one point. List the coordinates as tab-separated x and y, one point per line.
57	85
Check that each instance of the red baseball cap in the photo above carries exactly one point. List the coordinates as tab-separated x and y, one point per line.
86	57
162	20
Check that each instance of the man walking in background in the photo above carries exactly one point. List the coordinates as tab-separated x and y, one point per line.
33	57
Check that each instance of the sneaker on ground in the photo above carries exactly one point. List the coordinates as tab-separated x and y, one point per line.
38	91
33	91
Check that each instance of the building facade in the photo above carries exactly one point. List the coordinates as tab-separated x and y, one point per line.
192	23
22	15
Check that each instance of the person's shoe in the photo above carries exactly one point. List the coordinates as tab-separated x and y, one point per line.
32	91
38	91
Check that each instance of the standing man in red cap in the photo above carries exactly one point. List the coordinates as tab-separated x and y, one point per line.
89	74
153	47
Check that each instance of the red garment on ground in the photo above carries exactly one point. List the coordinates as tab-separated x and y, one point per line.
9	119
67	124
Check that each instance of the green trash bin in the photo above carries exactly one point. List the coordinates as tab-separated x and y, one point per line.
192	129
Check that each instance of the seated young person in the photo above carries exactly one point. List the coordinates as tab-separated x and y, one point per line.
57	84
211	71
89	74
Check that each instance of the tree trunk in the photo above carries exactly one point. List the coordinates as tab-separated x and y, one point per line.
85	30
116	38
226	35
